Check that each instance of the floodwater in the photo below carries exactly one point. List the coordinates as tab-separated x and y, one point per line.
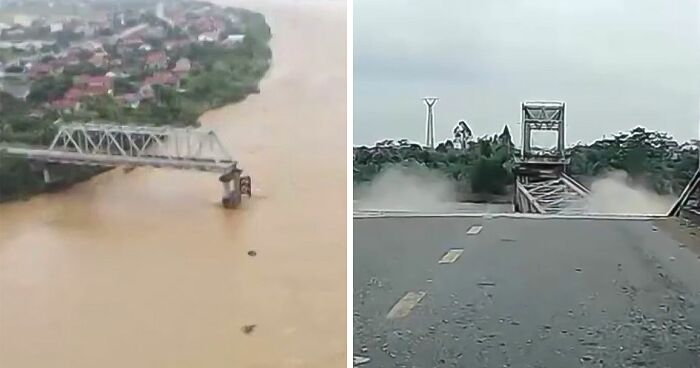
145	269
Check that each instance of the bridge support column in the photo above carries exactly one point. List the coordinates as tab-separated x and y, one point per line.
232	188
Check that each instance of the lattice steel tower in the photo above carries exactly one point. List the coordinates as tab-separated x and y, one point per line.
430	122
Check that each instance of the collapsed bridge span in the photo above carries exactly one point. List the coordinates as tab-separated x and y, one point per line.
541	184
112	145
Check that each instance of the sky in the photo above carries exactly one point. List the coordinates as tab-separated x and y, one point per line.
617	64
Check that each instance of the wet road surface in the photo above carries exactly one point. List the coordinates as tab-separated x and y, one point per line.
524	293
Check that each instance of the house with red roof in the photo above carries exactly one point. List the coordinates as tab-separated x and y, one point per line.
70	100
208	24
164	79
66	105
156	60
40	70
94	85
73	94
83	86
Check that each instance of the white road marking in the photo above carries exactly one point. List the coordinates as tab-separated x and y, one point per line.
451	256
474	230
404	306
358	360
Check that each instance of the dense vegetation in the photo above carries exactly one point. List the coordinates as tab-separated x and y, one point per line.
651	158
226	75
484	165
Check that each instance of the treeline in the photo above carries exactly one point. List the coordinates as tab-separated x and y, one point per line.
648	157
484	165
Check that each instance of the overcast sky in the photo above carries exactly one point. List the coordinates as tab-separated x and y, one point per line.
616	63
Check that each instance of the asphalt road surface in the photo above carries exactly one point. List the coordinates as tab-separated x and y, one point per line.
525	293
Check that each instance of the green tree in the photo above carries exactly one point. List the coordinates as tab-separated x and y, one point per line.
49	88
83	68
488	176
124	85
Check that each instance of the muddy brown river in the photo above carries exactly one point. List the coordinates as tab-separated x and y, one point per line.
145	269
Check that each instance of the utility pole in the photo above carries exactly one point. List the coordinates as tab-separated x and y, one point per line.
430	129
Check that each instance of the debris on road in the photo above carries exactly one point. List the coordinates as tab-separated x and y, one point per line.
486	283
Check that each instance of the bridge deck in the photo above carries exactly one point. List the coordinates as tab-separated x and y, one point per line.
559	195
62	157
524	293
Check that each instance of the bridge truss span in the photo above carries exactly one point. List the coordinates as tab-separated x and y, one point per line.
541	183
112	144
555	196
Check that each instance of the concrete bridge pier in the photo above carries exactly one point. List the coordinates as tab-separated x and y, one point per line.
232	188
44	168
49	177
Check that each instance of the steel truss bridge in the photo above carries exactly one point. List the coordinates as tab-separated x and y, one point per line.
111	145
541	184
